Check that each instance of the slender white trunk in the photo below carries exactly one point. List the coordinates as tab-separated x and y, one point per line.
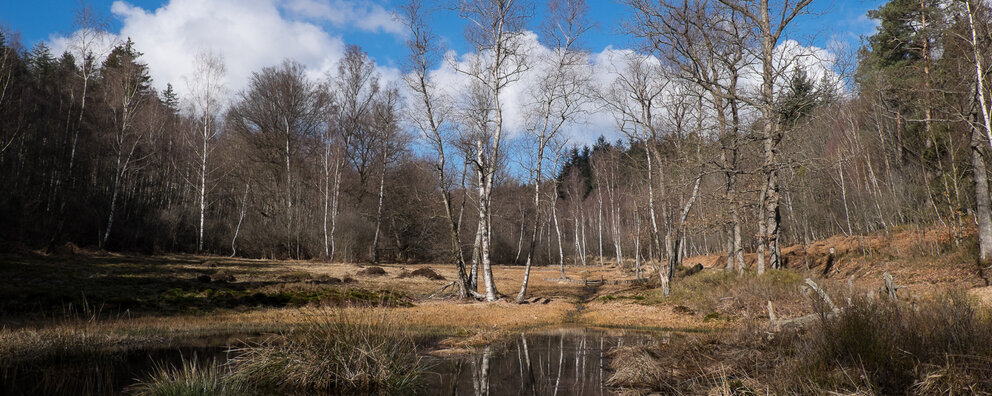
520	240
289	191
327	196
655	243
378	213
561	252
335	197
241	217
578	244
599	194
203	182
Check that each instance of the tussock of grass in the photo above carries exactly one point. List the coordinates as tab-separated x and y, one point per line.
937	346
189	379
942	345
336	352
725	295
57	343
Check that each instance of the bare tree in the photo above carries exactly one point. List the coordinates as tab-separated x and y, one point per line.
207	94
6	75
357	85
707	46
90	43
977	15
279	111
391	142
429	112
769	22
495	31
126	84
635	98
556	98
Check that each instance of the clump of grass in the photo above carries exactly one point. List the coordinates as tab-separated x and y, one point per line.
295	276
941	345
935	346
729	295
190	378
57	343
360	352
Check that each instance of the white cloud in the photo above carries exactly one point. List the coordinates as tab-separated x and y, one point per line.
362	15
249	34
606	66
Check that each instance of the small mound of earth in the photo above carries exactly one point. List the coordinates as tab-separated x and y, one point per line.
422	272
683	310
326	279
64	249
372	271
224	277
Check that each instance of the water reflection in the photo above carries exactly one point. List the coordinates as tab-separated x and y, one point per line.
562	362
108	373
570	361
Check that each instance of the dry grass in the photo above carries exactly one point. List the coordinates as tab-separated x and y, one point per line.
880	347
632	315
335	351
190	378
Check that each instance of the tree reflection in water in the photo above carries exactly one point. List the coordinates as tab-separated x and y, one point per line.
563	362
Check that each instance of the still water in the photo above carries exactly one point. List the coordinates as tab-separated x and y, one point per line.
568	361
565	361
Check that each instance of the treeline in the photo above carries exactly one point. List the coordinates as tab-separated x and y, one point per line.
735	140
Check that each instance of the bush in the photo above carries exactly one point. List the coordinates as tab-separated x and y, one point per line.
335	353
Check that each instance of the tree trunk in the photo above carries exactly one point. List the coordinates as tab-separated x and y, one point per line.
378	213
203	183
983	103
241	217
983	207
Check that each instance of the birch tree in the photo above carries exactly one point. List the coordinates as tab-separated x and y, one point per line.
635	99
429	112
126	83
562	79
391	141
356	88
207	93
769	20
707	46
978	33
495	32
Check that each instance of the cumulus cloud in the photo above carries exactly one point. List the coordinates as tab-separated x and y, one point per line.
605	67
248	34
362	15
252	34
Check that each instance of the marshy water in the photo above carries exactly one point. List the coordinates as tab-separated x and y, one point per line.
565	361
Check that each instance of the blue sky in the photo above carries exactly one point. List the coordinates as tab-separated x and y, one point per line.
251	34
37	20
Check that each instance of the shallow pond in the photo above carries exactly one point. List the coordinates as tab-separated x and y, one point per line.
564	361
108	373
